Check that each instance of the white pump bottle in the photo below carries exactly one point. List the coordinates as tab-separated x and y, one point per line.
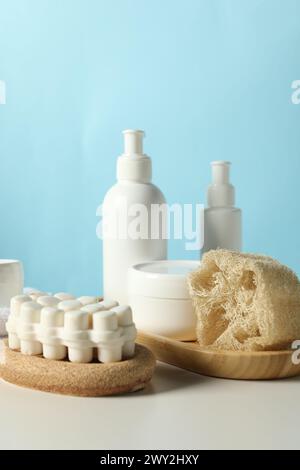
222	220
131	234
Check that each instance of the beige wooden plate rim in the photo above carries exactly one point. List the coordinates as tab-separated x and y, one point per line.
193	346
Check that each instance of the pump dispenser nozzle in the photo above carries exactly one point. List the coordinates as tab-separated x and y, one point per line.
134	165
221	193
133	142
220	172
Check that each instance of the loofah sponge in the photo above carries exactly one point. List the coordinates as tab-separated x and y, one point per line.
245	302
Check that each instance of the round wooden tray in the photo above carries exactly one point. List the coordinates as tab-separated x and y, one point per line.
84	380
264	365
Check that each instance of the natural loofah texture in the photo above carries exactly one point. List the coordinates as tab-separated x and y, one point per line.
245	302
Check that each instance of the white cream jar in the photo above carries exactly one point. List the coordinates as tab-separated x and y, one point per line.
159	298
11	280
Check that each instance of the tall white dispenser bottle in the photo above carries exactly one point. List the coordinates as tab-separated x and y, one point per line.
222	220
134	230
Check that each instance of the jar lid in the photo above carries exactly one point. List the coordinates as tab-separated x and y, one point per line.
161	279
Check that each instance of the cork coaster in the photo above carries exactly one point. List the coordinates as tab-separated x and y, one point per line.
83	380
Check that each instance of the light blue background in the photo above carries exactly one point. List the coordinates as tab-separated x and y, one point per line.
206	79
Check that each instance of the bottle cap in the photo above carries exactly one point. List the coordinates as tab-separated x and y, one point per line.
134	165
221	193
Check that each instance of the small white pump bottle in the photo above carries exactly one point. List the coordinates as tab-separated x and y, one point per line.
222	220
131	233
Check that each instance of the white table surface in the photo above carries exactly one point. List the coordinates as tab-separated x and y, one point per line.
179	410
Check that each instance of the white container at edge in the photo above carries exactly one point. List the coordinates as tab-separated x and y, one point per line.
11	280
160	301
127	234
222	220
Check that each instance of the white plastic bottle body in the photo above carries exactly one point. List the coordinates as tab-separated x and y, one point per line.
124	209
222	229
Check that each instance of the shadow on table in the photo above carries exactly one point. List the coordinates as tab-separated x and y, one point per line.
166	379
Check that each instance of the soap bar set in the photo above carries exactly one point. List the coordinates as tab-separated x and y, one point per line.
62	326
